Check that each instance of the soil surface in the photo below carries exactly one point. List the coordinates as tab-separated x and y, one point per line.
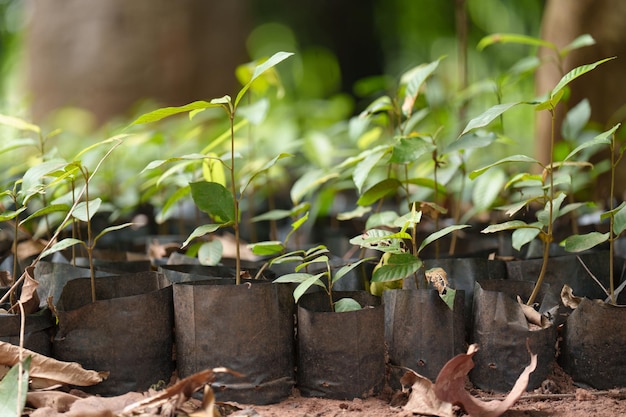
557	397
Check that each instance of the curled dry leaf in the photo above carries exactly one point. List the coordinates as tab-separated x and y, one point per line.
438	277
533	316
422	399
568	298
45	371
28	296
450	386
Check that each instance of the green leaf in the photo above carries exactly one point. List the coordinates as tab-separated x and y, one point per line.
378	239
472	140
579	243
513	38
363	168
357	213
579	42
575	120
601	139
575	73
308	182
305	285
448	297
18	123
344	270
115	140
619	219
12	404
201	231
53	208
158	114
32	181
399	266
488	116
110	229
384	188
347	304
59	246
514	158
85	211
487	189
12	144
269	164
11	214
415	79
384	218
510	225
210	253
381	104
260	69
171	201
268	248
441	233
214	199
409	149
522	236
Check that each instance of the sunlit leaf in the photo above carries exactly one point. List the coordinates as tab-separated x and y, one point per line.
487	117
510	225
344	270
346	304
260	69
158	114
18	123
267	248
364	167
398	266
513	38
522	236
575	73
382	189
201	231
509	159
409	149
85	211
59	246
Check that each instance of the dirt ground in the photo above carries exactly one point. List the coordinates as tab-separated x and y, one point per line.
557	397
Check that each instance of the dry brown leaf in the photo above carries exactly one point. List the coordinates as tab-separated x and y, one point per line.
48	370
568	298
438	277
28	296
422	399
92	407
533	316
450	386
30	247
55	400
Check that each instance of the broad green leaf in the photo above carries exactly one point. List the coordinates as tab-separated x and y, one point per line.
550	102
409	149
11	214
159	162
384	218
214	199
85	211
520	237
428	183
513	38
514	158
115	140
398	266
544	215
158	114
488	116
210	253
201	231
110	229
441	233
575	73
309	182
381	104
260	69
619	220
52	208
579	243
414	79
487	189
61	245
357	213
510	225
293	278
384	188
575	120
601	139
32	180
346	304
347	268
362	169
306	281
268	248
378	239
19	124
311	261
409	220
213	170
12	404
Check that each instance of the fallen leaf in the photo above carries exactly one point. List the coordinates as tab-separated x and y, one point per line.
55	400
422	399
28	296
450	386
568	298
92	407
46	371
438	277
533	316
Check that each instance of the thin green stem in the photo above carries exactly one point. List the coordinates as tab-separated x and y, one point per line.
233	186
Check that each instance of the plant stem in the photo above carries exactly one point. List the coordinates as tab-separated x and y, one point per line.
612	222
92	271
231	115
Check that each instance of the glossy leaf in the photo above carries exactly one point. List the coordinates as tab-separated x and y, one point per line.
509	159
344	270
603	138
267	248
579	243
579	42
11	214
305	281
510	225
521	237
487	117
398	266
441	233
158	114
201	231
415	78
274	60
575	73
110	229
214	199
384	188
61	245
346	304
52	208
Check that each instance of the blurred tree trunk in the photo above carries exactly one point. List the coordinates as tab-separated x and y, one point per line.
104	56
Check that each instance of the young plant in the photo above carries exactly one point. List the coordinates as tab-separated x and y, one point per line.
220	203
305	280
400	259
616	215
549	196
